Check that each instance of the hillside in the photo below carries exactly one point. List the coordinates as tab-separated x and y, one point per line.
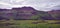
27	13
55	14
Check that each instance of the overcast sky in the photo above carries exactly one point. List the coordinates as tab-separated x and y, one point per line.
42	5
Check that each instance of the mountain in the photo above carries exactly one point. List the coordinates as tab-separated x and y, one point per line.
28	13
55	14
24	12
5	14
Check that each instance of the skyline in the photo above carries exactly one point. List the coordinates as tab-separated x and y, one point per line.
41	5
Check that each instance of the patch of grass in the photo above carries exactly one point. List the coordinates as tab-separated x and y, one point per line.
29	24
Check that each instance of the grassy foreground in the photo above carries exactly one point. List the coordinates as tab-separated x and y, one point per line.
31	24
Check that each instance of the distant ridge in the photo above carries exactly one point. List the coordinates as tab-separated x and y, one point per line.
29	13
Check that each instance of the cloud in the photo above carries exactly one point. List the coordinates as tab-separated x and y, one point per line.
42	5
4	3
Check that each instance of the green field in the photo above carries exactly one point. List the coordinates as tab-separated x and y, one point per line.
31	24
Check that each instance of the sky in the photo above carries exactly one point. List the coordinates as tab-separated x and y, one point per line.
41	5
